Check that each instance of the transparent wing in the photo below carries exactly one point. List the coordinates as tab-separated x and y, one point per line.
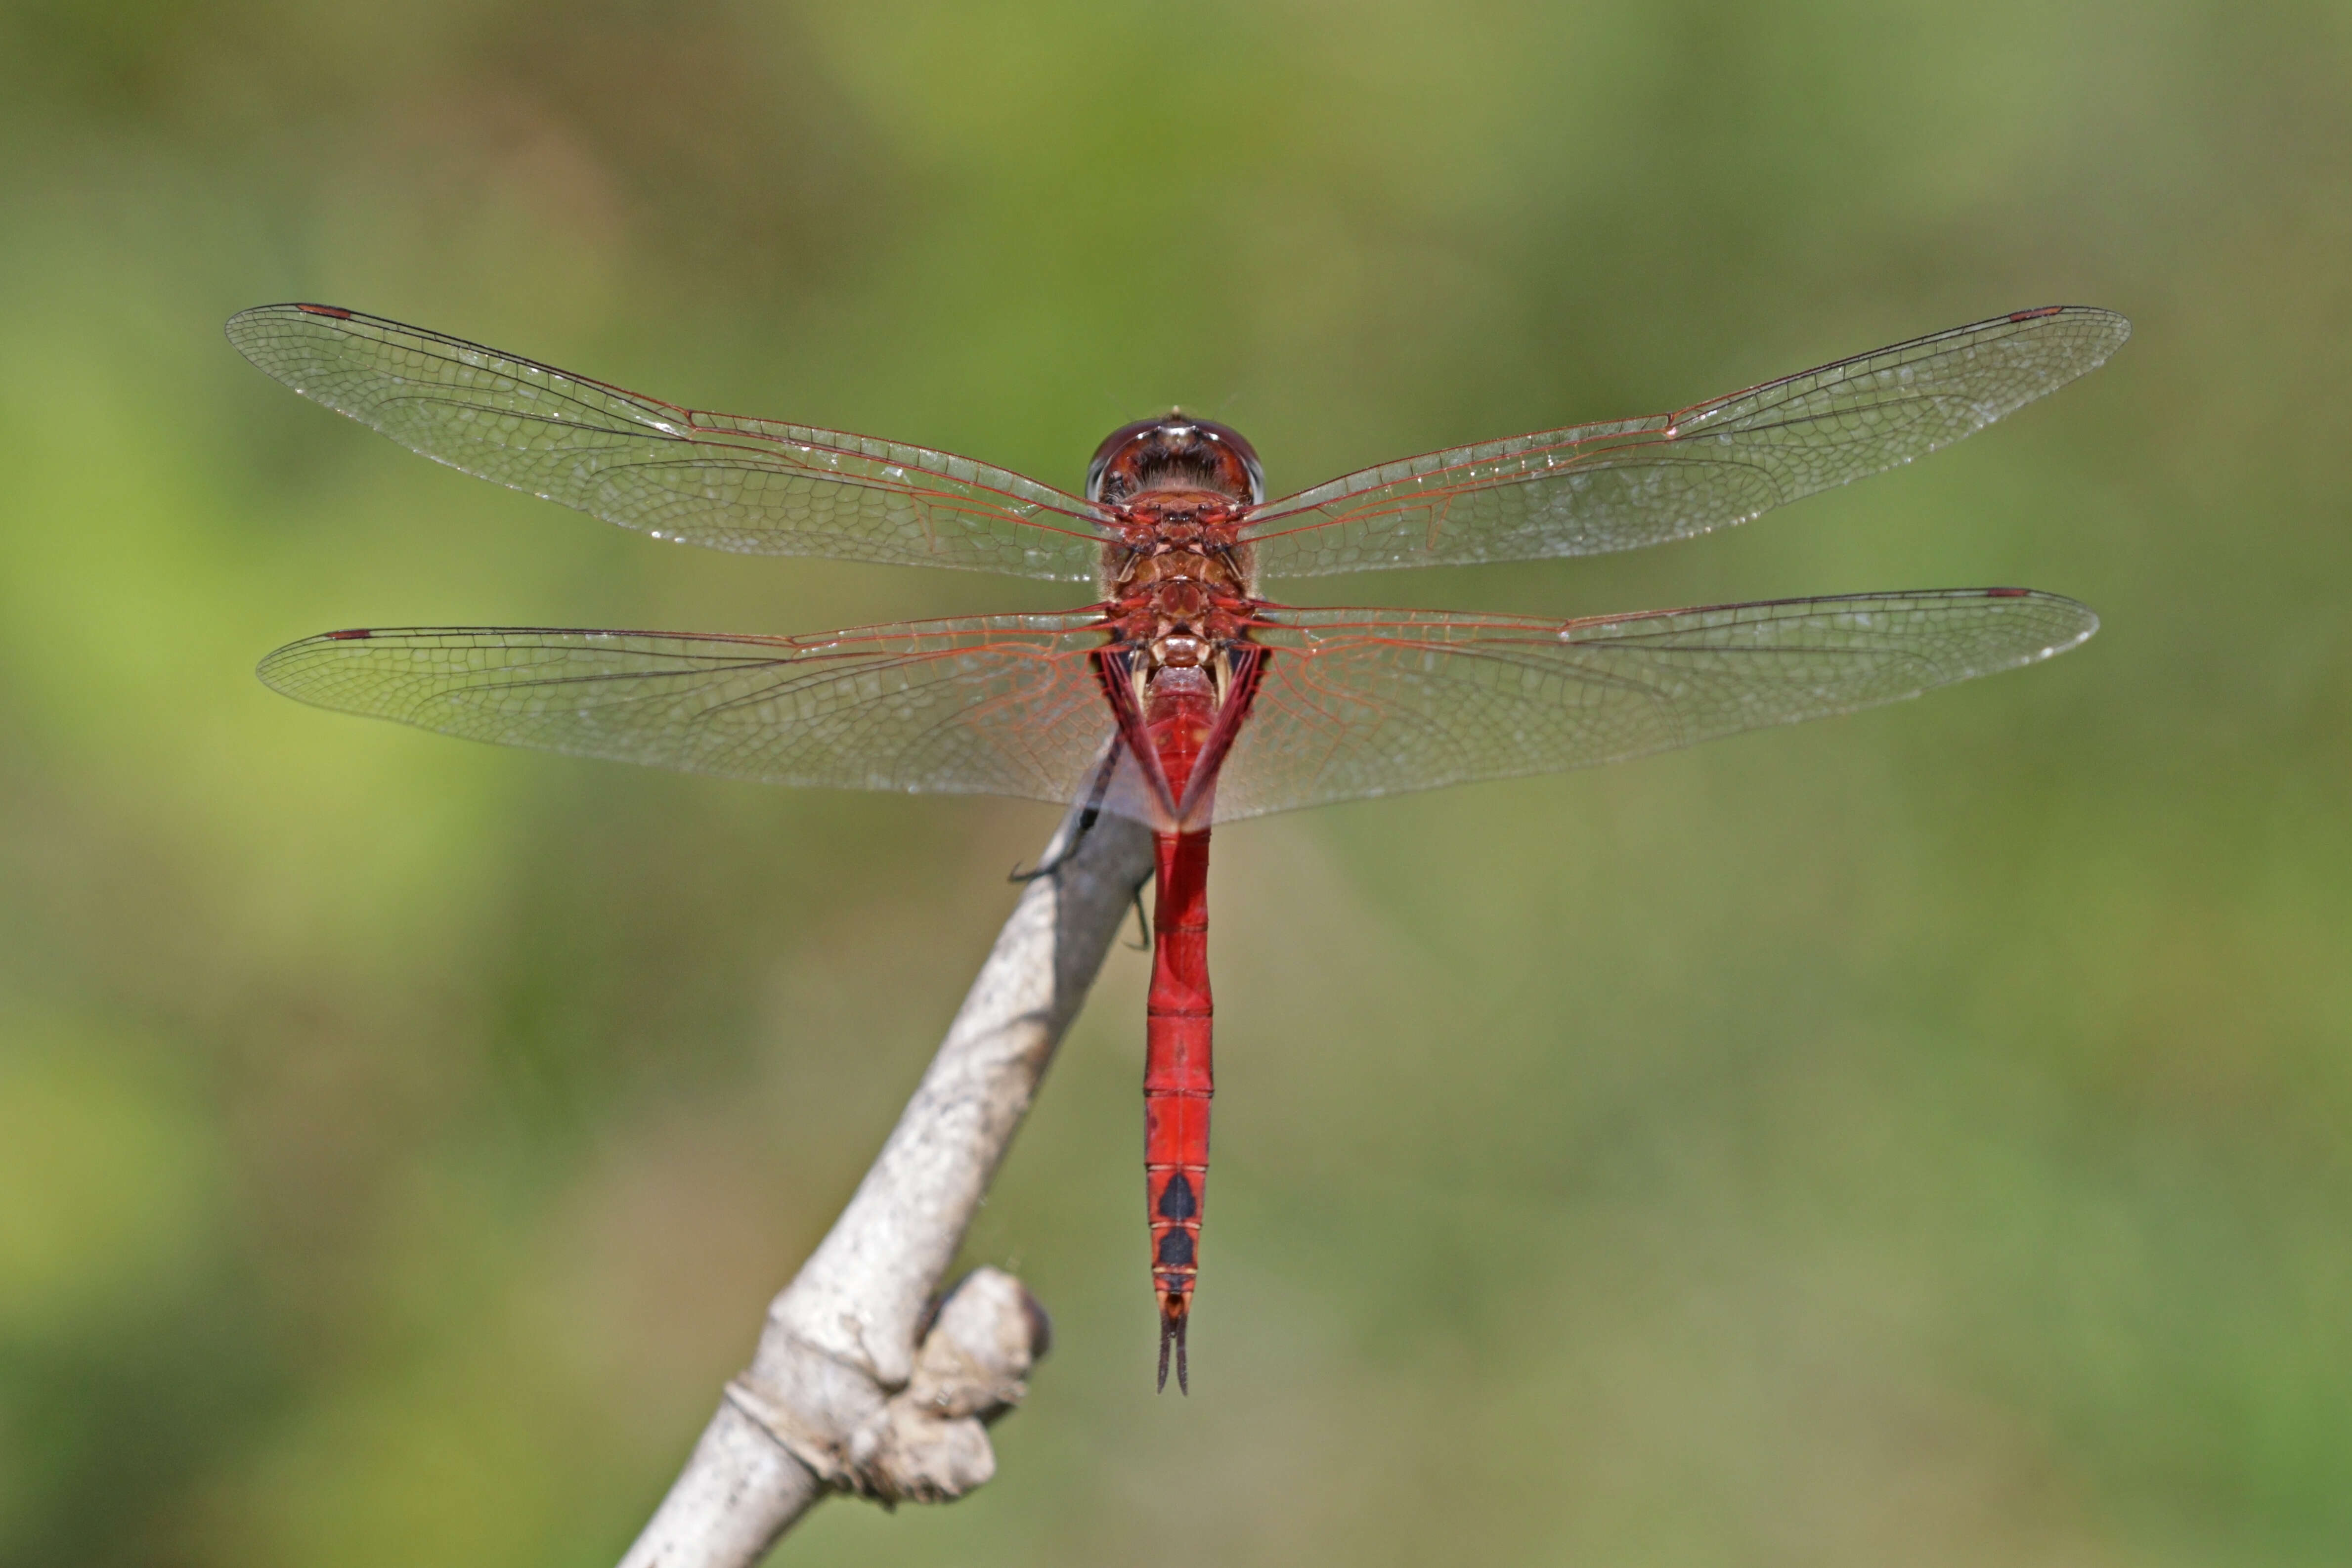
1004	705
1368	702
1599	488
718	480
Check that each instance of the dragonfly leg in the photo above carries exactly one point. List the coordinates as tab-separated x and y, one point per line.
1142	942
1047	868
1087	819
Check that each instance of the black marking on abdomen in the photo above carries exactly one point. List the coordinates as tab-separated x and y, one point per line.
1176	1199
1176	1249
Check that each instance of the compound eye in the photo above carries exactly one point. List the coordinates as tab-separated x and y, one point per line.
1257	477
1109	449
1175	452
1231	440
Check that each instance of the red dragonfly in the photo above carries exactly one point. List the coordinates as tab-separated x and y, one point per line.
1179	697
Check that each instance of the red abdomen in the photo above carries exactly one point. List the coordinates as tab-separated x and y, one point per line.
1177	1083
1180	730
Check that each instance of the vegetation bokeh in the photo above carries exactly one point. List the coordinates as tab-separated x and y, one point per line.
1916	1137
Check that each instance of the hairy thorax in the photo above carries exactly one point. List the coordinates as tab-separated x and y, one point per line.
1178	581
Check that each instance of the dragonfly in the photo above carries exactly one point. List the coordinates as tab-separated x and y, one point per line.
1181	697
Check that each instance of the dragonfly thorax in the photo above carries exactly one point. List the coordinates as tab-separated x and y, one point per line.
1170	538
1183	624
1181	650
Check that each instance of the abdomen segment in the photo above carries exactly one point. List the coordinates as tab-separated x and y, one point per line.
1178	1081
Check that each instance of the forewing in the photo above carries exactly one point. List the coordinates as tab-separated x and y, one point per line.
1599	488
1370	703
1004	705
720	480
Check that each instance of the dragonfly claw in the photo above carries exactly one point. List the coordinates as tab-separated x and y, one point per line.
1086	823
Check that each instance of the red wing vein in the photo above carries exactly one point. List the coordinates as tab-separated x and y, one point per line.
1624	484
1356	703
958	706
733	483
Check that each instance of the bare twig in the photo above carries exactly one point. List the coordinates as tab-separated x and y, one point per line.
851	1388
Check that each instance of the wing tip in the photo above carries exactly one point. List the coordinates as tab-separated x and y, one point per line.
2077	622
255	314
2117	326
280	668
259	333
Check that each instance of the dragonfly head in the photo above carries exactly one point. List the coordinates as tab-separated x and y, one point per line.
1175	452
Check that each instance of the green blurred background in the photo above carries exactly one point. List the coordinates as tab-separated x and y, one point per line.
1918	1137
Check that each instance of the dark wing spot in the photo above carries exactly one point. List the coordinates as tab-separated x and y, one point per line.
324	311
348	637
2008	592
1176	1249
2036	315
1176	1199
